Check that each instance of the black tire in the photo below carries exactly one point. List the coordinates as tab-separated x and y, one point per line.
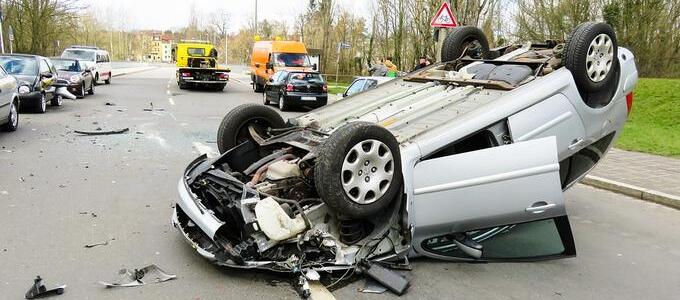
13	120
219	87
91	90
41	106
459	39
265	101
283	106
108	79
329	174
81	93
57	100
577	51
257	88
234	127
96	79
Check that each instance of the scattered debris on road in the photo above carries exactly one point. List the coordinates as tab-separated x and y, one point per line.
153	109
99	131
38	290
110	104
137	277
88	246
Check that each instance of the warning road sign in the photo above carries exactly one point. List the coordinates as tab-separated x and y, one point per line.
444	17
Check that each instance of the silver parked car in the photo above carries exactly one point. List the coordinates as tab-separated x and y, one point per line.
464	160
9	102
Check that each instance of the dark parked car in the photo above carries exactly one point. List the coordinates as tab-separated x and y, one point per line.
79	76
291	88
35	76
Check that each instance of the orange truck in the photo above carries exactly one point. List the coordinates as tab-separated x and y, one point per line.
268	57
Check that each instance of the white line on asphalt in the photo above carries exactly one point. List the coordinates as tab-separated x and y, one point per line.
241	82
168	92
205	149
172	101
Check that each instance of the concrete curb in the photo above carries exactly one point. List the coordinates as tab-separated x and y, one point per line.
130	72
633	191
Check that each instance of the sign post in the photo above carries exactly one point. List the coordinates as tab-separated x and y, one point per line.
341	45
442	20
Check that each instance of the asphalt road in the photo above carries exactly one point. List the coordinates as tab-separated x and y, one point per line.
60	191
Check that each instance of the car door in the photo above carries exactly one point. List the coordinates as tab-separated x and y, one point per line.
498	203
86	73
47	78
269	86
7	87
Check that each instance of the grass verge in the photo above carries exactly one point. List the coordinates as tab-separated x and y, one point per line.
654	122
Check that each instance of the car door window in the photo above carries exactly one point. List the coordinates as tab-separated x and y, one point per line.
3	74
44	67
370	83
356	87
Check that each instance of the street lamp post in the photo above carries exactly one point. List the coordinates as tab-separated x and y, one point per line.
255	17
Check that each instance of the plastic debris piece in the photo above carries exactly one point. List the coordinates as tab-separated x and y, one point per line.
137	277
102	132
373	287
38	290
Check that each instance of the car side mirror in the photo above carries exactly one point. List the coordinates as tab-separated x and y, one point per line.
315	67
45	75
270	66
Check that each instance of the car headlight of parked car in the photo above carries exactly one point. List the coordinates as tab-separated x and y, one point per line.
75	79
24	89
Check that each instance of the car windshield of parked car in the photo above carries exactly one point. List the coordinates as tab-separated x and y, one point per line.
305	77
66	65
19	65
291	60
78	54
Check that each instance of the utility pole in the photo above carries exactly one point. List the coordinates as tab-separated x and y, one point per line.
226	38
2	38
255	17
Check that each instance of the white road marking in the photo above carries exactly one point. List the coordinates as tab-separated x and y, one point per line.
205	149
240	81
172	101
168	92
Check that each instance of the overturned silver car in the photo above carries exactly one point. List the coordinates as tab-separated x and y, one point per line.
465	160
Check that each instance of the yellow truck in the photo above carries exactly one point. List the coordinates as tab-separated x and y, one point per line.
197	66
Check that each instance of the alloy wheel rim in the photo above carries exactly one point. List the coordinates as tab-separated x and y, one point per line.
281	102
59	100
82	90
13	115
43	103
367	171
600	57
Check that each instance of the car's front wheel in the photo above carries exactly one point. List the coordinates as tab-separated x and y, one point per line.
81	94
108	79
13	120
57	100
91	90
358	170
41	106
235	126
283	106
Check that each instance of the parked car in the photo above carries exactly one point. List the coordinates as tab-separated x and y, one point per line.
467	160
364	83
296	88
9	102
80	78
35	76
96	59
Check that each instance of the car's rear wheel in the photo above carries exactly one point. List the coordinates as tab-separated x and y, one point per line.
265	101
91	90
358	170
235	126
465	41
13	120
283	106
257	88
108	79
81	93
591	55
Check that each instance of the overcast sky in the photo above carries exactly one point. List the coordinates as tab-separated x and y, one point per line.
173	14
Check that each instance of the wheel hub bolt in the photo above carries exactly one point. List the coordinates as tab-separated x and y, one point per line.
366	163
374	169
361	172
367	179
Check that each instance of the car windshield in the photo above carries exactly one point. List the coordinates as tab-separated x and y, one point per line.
291	60
305	77
19	65
78	54
66	65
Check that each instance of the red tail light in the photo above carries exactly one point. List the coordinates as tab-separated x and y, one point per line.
325	88
629	101
289	88
224	75
186	74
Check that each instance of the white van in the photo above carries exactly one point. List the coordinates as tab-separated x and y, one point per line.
96	59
